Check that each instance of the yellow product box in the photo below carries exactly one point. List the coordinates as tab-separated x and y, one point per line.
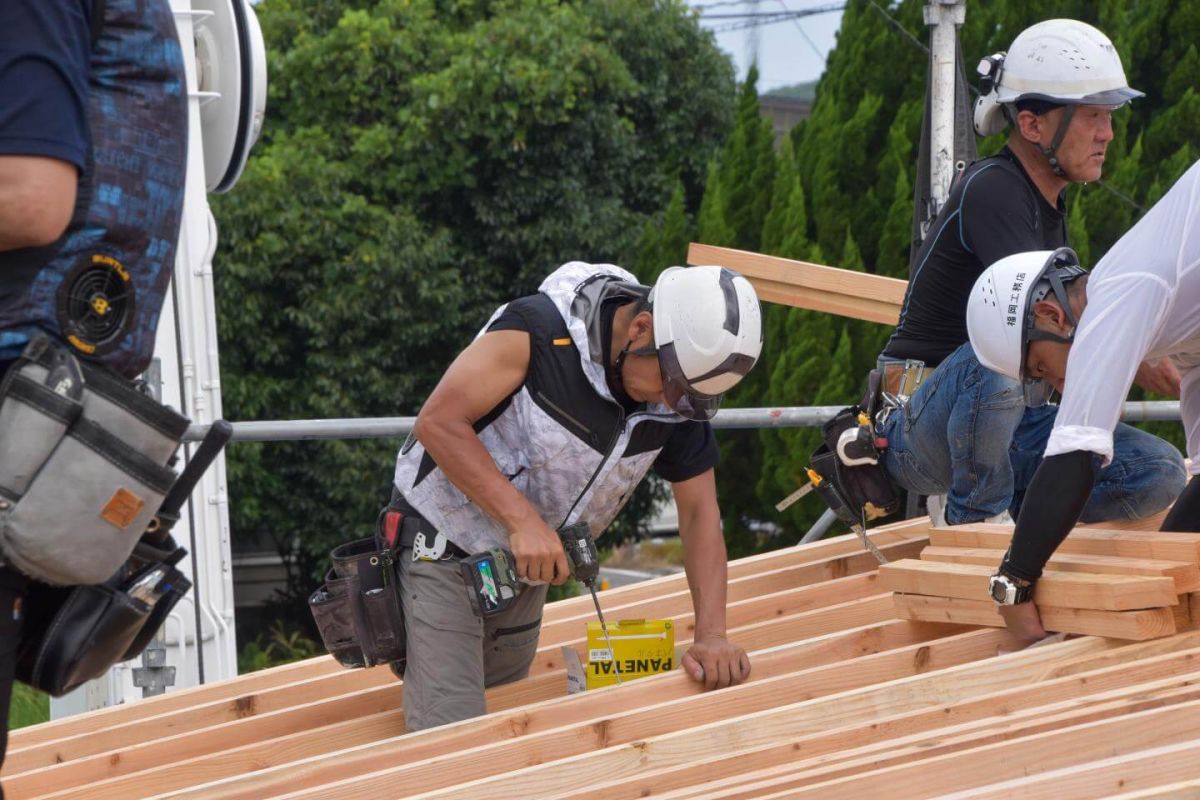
643	647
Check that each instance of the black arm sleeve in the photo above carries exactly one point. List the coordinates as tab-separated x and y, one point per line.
1053	503
1184	516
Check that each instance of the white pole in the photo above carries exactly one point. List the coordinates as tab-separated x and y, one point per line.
943	16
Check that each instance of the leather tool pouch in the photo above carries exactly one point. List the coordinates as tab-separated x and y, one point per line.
358	609
74	634
85	466
856	491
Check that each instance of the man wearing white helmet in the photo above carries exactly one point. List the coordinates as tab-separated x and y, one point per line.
1036	316
968	433
552	416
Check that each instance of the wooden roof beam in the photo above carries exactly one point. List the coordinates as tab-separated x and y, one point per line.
801	284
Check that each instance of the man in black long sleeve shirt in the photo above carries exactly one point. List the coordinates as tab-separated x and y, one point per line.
968	432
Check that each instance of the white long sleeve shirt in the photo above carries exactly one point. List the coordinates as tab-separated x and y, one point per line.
1143	303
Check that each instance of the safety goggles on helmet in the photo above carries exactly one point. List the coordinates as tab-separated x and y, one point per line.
680	394
707	335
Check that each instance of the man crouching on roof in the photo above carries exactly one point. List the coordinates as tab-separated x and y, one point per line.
1085	336
551	416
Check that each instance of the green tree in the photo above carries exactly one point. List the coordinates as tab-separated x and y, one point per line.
665	239
712	223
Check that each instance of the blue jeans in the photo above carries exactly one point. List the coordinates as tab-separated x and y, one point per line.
967	433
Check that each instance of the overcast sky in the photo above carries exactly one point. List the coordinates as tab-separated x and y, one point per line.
788	52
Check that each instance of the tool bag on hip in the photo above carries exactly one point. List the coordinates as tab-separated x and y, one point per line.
84	467
854	483
73	634
358	610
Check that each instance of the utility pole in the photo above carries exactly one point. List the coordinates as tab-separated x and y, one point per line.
944	16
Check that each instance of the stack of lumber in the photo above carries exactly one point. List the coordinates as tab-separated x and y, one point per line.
1133	585
845	701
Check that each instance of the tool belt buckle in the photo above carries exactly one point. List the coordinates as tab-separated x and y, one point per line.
423	552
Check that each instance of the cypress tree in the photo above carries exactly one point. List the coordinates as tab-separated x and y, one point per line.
712	227
665	240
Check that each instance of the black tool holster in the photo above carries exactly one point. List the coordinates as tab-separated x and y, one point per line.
859	492
358	609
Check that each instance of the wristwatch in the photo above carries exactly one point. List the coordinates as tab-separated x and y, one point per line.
1009	591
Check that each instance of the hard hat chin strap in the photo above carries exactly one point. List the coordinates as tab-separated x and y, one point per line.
1051	152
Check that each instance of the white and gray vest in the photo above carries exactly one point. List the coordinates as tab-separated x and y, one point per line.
561	438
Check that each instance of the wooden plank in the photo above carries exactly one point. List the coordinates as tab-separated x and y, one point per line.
1088	541
240	690
1186	575
1075	746
127	730
924	691
801	593
547	666
751	566
699	744
1055	589
1183	790
1170	771
944	740
1110	683
165	764
344	687
767	633
618	724
801	284
1150	523
1137	625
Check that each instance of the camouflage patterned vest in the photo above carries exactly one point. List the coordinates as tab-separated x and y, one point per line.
561	438
101	286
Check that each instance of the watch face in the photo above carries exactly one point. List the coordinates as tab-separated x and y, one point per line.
1000	589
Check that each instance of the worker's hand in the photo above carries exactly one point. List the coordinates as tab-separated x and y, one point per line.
1159	377
1024	622
539	553
716	662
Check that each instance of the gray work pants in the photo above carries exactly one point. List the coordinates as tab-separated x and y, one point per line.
452	653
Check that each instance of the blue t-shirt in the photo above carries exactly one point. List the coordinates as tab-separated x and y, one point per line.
45	48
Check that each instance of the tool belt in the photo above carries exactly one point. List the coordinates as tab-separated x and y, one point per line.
85	466
849	476
74	634
358	609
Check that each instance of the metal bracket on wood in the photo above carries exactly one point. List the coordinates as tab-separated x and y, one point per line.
154	676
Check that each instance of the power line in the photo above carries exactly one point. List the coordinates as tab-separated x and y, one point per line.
805	35
899	26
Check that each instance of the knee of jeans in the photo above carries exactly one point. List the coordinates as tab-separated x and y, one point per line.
1161	482
1147	487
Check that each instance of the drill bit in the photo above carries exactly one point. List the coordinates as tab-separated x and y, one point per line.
604	627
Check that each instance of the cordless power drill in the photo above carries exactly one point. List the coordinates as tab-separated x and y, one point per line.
492	575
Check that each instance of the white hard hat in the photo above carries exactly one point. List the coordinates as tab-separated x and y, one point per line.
1000	307
707	334
1061	61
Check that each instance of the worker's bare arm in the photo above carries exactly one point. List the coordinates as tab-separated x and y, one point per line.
491	369
37	199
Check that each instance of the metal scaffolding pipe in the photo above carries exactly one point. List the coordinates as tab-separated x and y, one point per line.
727	419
